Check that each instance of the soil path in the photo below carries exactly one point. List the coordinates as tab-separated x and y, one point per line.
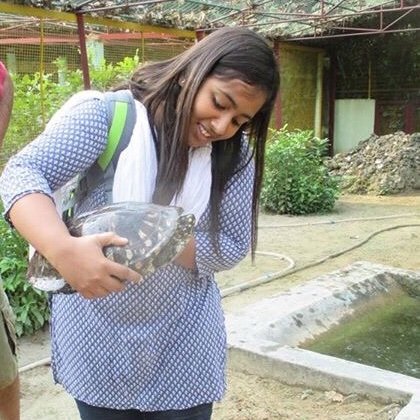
305	240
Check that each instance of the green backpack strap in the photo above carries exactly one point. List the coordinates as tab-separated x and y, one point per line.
120	111
121	121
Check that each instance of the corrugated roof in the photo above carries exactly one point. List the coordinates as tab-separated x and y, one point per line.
272	18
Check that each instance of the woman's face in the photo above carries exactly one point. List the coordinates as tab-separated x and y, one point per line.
221	107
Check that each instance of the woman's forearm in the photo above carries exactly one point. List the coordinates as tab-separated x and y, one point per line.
36	219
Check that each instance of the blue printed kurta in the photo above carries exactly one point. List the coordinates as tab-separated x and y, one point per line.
158	345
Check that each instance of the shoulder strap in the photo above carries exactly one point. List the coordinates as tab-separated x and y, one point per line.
121	121
121	108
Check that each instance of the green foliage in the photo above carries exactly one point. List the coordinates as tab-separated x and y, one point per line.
37	98
29	305
296	181
107	75
391	61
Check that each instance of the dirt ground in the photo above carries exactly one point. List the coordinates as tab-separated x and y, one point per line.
384	230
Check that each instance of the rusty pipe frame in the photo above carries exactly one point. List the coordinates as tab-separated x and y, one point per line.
325	17
334	18
313	17
83	51
127	5
378	32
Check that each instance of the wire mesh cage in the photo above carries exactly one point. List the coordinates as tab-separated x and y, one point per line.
44	51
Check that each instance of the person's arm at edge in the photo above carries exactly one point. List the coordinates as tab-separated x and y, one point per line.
6	101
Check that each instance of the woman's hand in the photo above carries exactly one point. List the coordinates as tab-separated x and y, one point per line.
83	265
187	257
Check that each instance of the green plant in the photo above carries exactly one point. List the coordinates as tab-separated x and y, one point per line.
29	305
296	181
106	75
38	97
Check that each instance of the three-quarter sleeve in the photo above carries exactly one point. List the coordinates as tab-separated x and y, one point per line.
234	235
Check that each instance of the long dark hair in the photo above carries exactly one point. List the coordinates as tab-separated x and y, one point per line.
228	53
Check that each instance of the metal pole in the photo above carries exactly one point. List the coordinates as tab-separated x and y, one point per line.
332	89
42	70
199	34
318	98
277	105
83	52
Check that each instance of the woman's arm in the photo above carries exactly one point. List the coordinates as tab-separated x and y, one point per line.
6	101
70	144
234	235
79	260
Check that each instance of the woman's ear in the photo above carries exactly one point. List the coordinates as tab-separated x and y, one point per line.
182	78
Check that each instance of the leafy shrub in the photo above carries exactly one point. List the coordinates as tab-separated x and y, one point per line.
29	305
37	98
35	101
296	181
107	75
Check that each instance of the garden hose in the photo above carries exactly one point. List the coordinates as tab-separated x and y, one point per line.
275	276
291	269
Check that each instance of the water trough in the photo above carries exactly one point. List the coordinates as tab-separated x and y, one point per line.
264	337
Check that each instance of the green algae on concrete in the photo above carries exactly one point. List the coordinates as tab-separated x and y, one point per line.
386	336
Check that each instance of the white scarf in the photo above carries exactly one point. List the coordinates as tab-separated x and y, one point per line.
135	175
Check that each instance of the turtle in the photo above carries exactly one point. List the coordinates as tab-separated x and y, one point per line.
156	235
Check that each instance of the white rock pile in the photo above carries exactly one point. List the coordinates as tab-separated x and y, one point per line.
380	165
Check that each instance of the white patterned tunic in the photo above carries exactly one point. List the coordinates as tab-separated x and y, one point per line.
159	345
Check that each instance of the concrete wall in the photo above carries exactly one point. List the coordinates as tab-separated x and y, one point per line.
354	121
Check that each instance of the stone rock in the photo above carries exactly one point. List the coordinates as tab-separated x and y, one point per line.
380	165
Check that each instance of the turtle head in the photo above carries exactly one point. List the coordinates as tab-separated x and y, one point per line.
186	224
176	244
183	232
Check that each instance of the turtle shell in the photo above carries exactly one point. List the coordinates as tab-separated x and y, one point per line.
156	234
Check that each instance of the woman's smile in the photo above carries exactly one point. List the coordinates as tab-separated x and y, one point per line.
203	131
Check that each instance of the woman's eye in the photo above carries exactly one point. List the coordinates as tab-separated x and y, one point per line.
236	123
217	104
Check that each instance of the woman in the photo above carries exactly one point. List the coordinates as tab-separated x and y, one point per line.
157	349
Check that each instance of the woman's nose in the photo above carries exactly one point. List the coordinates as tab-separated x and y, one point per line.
220	126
